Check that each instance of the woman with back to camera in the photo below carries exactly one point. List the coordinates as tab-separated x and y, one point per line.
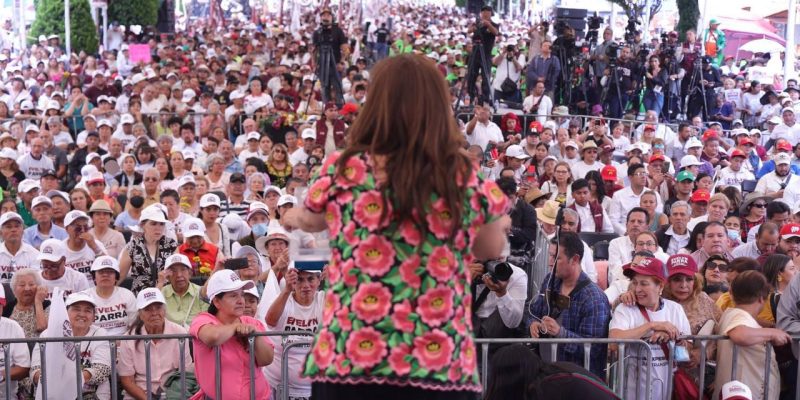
402	182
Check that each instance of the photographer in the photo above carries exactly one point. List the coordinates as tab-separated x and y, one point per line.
621	85
656	80
484	32
703	100
523	218
329	37
509	64
598	55
537	35
571	306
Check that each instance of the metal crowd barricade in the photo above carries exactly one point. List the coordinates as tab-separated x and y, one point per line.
5	344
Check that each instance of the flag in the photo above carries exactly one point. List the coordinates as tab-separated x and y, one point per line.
60	357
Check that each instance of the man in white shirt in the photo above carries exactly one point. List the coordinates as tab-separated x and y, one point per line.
538	103
14	253
252	147
774	183
588	161
628	198
508	66
55	274
620	252
675	236
124	131
309	137
734	174
481	130
34	163
661	131
506	298
588	212
788	129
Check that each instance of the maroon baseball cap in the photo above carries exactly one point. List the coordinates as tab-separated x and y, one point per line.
681	264
649	266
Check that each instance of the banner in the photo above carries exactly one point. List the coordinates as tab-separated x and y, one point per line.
60	357
139	52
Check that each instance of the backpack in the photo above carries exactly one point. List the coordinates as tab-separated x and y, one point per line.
568	381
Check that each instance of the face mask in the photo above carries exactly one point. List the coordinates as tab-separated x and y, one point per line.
259	229
136	201
733	234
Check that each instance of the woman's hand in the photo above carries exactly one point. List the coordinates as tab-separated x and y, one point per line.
779	337
41	295
665	327
627	298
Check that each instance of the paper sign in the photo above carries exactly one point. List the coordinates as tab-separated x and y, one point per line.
139	52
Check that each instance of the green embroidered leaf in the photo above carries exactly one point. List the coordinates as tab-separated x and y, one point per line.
408	339
386	324
357	324
427	248
440	376
347	252
420	329
394	278
428	283
357	371
340	344
419	373
331	370
383	369
403	294
394	339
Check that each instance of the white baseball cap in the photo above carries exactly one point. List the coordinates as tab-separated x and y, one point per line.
253	291
39	200
104	122
54	193
73	216
27	185
188	154
236	95
177	258
9	216
152	213
126	119
735	390
782	158
570	144
224	281
516	151
188	95
193	227
92	156
692	142
287	199
31	128
210	199
272	188
149	296
690	160
136	78
104	262
253	136
80	297
52	250
308	133
8	153
185	180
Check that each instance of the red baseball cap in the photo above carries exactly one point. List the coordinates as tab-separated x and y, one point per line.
738	153
649	127
656	157
789	231
649	267
681	264
348	108
609	173
535	126
700	195
710	134
745	140
784	146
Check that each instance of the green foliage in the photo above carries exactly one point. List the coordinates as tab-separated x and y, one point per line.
50	20
134	12
688	14
461	3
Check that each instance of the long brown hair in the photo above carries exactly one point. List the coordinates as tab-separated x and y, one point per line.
408	120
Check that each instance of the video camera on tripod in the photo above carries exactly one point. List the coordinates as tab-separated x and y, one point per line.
631	31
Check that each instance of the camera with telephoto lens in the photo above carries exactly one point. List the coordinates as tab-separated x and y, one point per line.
498	271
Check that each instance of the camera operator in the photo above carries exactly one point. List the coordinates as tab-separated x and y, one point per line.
509	64
575	308
627	74
546	68
709	80
329	37
537	35
687	53
598	55
484	32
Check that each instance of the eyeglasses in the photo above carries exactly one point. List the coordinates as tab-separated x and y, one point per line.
81	228
721	266
759	205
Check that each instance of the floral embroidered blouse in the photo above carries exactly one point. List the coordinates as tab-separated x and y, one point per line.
398	304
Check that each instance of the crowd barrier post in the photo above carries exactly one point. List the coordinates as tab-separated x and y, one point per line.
112	345
7	370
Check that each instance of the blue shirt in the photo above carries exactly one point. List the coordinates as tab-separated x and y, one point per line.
588	316
769	166
33	237
234	167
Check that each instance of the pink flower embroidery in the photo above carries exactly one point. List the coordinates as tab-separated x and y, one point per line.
349	275
333	216
433	350
345	197
354	174
332	303
458	322
350	234
330	160
397	361
375	255
454	372
400	317
498	202
365	348
343	317
435	307
324	349
408	271
440	220
368	210
467	356
341	367
334	271
441	264
372	302
410	233
317	193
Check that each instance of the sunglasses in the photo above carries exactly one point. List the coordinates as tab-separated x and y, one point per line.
759	205
722	267
151	179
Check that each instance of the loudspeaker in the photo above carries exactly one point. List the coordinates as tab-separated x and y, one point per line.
576	13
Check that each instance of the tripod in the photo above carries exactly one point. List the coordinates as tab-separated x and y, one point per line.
695	85
328	76
477	59
613	79
669	110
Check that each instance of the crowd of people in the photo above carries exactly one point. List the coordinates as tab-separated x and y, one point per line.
175	196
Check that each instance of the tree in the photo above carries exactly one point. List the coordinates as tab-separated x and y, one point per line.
50	20
688	14
134	12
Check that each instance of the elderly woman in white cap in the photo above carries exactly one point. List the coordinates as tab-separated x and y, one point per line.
116	306
82	247
164	359
102	216
20	356
258	219
95	356
224	325
208	212
10	175
52	258
145	254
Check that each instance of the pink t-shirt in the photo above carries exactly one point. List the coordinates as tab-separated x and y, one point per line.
235	361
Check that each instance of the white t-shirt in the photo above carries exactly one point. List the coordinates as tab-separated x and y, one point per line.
483	134
295	317
298	156
72	281
33	168
507	69
621	145
629	317
729	177
20	356
25	258
115	313
62	138
580	169
82	260
127	140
